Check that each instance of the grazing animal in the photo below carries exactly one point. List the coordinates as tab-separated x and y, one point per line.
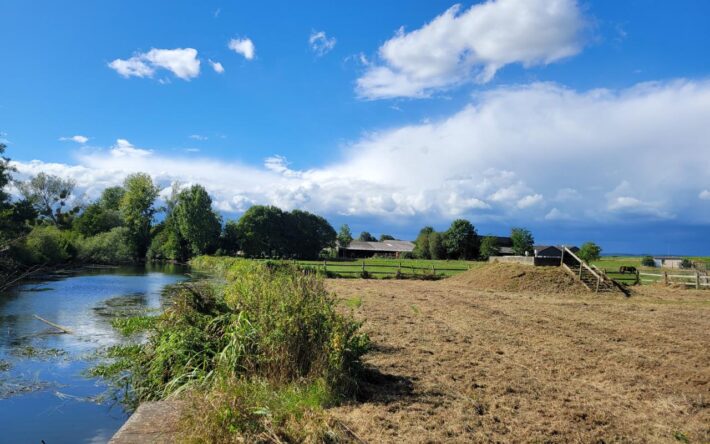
624	269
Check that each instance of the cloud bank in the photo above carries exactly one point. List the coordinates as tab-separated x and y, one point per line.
514	154
472	45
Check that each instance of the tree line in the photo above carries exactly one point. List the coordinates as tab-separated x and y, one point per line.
461	241
127	224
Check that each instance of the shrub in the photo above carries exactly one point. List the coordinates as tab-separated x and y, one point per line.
647	261
112	247
686	264
262	348
589	252
47	244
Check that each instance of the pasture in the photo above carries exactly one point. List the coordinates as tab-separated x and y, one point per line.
388	268
455	364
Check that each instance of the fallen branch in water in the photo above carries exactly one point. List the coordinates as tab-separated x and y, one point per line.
58	327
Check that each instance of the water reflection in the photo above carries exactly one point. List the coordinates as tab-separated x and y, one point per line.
43	393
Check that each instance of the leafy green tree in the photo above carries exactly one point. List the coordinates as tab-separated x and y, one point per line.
386	237
366	237
229	242
310	234
15	218
489	247
262	232
111	198
345	236
461	240
5	177
523	241
96	219
589	252
686	264
421	244
197	223
437	250
49	195
111	247
137	211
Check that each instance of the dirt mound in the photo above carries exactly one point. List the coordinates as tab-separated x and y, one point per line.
515	277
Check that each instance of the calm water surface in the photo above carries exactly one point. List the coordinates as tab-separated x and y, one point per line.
44	392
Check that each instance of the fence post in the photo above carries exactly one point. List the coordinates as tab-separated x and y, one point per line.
433	270
697	280
638	278
325	266
665	277
363	267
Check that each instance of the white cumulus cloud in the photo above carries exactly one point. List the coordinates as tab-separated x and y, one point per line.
182	62
77	139
320	43
705	195
596	156
218	68
461	46
243	46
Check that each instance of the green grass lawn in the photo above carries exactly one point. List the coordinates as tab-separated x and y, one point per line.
381	268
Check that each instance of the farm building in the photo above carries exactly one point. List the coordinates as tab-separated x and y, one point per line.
667	261
551	251
390	248
505	245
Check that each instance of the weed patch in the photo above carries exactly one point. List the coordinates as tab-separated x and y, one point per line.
260	353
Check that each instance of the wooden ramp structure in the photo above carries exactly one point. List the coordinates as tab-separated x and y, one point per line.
590	276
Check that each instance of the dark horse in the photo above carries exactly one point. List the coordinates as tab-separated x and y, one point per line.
624	269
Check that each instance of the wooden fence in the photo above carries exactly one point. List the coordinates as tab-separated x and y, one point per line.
697	279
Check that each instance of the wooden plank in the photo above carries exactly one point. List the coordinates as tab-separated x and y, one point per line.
57	326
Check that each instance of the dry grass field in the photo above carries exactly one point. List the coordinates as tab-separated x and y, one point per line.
454	363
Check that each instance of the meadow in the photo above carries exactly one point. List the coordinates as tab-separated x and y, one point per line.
385	267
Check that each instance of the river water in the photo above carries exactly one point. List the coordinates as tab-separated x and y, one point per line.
45	393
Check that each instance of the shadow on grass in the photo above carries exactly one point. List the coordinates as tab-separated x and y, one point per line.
383	388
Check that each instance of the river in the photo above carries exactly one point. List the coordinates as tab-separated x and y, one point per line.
45	393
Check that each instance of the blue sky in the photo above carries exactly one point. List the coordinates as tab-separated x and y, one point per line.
581	120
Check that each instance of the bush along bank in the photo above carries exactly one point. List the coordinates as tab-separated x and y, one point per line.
258	354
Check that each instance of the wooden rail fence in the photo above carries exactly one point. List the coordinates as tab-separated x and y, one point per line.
696	279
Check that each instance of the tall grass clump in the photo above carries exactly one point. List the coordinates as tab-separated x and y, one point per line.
260	354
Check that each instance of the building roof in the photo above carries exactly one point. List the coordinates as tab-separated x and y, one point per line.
389	246
556	250
667	258
501	241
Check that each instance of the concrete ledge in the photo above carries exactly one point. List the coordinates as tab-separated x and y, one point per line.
153	422
523	260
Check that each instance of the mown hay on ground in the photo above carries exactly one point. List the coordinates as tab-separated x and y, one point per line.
516	277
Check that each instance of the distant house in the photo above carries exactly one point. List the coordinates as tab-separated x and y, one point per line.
505	245
551	251
360	249
667	261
